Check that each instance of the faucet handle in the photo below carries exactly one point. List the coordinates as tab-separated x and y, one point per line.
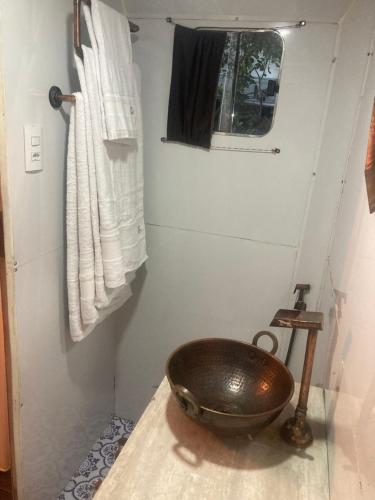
294	318
302	288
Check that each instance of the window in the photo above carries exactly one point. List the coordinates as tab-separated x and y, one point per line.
248	83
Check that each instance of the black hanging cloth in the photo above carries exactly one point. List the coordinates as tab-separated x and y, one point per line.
197	56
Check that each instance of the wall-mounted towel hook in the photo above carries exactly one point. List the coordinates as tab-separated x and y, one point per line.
56	97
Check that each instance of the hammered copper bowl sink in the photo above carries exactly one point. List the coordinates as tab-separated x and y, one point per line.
230	387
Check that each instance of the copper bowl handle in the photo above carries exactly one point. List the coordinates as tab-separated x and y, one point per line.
186	400
264	333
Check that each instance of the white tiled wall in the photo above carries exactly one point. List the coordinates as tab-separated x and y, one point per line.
313	10
259	197
195	285
66	390
351	375
332	162
348	302
223	227
223	234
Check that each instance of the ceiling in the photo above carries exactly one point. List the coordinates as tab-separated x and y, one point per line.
273	10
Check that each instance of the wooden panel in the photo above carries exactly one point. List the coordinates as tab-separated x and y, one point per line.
4	419
5	486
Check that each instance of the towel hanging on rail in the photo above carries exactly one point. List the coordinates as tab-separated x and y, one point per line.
122	170
56	97
197	59
105	221
83	318
114	52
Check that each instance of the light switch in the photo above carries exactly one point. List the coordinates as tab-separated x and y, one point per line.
35	156
33	148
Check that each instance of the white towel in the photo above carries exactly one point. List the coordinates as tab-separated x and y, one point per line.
72	233
83	317
101	299
85	241
110	37
78	308
113	264
132	226
94	46
119	171
105	220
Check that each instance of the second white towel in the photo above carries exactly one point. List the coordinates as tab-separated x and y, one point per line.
110	38
119	172
105	219
88	303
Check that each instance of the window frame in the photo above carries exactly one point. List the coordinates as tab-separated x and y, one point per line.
258	30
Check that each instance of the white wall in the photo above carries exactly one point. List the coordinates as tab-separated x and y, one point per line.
351	65
66	390
229	234
280	10
223	228
348	302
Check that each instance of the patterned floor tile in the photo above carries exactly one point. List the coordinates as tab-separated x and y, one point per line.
95	467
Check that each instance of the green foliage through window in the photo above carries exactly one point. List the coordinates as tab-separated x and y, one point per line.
248	83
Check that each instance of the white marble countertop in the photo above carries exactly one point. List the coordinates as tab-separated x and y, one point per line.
170	457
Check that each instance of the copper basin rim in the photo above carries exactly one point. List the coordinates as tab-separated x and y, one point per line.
229	386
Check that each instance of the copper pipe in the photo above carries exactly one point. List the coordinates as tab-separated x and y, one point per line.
77	25
56	97
296	431
301	306
307	371
66	98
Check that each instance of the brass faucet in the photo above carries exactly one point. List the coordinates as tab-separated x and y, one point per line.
296	431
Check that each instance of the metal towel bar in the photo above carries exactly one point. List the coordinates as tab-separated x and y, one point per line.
299	24
274	151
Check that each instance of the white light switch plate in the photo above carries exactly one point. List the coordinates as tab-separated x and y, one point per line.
33	148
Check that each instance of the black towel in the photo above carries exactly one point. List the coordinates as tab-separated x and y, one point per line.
197	58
